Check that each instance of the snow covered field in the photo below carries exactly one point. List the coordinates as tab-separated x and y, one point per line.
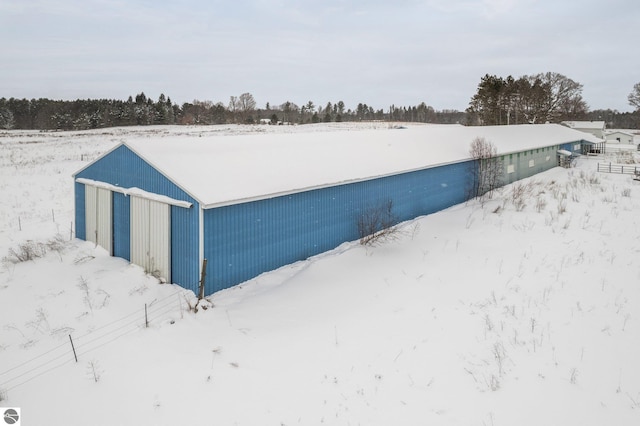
521	311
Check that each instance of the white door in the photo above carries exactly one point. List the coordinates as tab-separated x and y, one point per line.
151	236
98	217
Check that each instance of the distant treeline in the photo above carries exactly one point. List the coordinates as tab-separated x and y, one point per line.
81	114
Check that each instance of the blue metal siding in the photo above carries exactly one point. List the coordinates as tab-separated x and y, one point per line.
122	167
570	147
245	240
121	226
185	255
81	228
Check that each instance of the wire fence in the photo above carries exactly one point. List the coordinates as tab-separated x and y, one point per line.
19	223
78	347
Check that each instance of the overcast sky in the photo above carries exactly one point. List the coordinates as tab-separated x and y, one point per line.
400	52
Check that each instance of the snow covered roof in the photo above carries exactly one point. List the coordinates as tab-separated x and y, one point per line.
224	170
593	125
618	132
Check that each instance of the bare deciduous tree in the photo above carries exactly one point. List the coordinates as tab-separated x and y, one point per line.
234	105
564	96
487	170
377	224
247	105
241	107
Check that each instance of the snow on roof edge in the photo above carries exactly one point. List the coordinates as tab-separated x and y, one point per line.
136	192
326	185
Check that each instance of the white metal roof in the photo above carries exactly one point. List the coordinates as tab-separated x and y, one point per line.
223	170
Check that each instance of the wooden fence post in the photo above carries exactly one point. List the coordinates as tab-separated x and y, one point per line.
74	349
203	274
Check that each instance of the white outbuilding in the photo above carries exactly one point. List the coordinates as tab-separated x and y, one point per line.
596	128
619	137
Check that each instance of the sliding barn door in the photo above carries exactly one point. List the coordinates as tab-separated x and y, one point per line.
98	217
151	236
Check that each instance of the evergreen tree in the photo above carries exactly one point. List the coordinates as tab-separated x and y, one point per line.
634	97
546	97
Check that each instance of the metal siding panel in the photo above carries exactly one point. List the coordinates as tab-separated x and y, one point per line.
509	177
139	232
523	165
150	237
244	240
159	236
91	215
184	248
104	221
98	217
121	226
80	211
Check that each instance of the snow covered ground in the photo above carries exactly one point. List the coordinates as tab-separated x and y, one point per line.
521	311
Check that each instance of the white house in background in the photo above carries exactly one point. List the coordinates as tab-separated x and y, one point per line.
619	137
596	128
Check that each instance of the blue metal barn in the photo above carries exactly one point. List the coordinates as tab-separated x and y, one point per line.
252	204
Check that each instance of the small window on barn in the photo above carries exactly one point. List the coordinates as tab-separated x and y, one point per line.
511	168
548	158
532	163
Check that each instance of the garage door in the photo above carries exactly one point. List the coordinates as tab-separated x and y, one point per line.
151	236
98	211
